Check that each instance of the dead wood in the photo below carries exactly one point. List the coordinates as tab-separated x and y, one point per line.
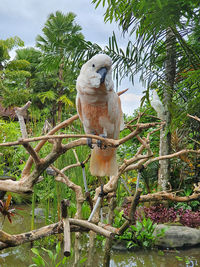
7	240
163	195
66	227
30	176
76	188
131	218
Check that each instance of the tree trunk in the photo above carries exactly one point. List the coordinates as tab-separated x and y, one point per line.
60	104
60	92
165	135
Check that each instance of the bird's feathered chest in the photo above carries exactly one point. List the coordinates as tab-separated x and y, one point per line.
93	109
94	115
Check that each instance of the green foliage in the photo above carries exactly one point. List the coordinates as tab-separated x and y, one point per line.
186	259
85	211
15	97
192	205
7	45
150	177
148	21
18	65
52	257
60	40
13	158
66	101
118	219
128	149
187	99
141	234
50	95
14	76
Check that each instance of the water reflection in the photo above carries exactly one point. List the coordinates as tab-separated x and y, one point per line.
176	258
21	256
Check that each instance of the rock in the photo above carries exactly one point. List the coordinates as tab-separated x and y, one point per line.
177	236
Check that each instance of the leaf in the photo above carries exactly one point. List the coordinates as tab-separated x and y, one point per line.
50	95
58	248
179	258
39	261
64	260
50	253
145	244
161	253
134	228
65	100
35	251
9	218
83	260
8	200
159	4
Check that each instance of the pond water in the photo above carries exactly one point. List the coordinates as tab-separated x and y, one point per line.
21	256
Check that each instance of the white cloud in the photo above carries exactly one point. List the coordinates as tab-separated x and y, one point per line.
26	18
130	102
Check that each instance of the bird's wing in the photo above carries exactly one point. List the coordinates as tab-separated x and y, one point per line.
115	113
78	107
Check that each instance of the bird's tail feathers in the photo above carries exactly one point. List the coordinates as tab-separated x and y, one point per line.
103	162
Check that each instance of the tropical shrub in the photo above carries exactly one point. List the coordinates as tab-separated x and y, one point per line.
161	214
141	234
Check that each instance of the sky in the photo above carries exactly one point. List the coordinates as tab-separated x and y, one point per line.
26	18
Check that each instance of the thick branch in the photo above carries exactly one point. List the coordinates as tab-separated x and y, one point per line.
27	168
32	152
76	188
7	240
93	227
131	219
20	112
177	154
160	196
15	240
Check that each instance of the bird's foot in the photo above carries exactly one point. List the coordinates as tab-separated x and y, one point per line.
89	143
99	142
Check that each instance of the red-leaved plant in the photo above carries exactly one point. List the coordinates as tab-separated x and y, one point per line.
6	210
161	214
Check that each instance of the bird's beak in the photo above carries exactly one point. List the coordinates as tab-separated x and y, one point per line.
102	71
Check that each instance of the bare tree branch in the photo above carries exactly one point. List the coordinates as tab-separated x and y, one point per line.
163	195
193	117
7	240
21	113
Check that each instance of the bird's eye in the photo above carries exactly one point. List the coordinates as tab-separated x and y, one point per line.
93	65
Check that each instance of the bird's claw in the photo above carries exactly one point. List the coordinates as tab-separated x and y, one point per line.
89	143
99	142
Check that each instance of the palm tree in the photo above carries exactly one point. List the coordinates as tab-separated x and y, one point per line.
13	74
6	46
159	27
61	39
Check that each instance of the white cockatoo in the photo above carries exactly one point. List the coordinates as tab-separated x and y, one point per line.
157	105
99	109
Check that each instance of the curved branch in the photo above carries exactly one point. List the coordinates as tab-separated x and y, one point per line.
163	195
26	170
7	240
